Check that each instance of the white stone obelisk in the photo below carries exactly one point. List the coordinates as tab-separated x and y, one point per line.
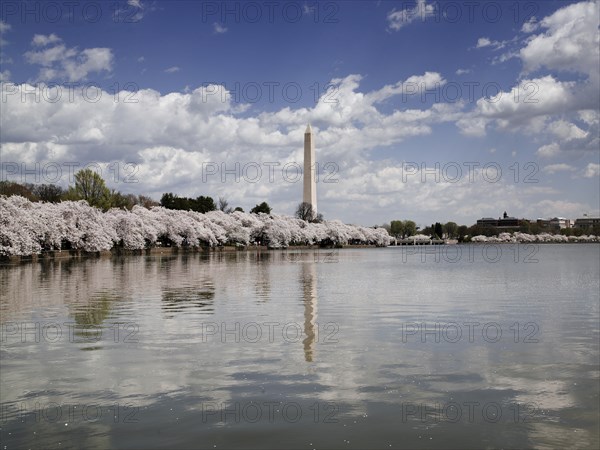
310	170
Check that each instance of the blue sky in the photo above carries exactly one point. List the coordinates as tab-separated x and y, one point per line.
193	73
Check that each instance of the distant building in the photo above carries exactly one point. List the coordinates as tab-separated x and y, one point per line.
509	222
488	221
560	223
543	223
503	222
586	222
554	224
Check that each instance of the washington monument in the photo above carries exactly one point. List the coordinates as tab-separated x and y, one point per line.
310	183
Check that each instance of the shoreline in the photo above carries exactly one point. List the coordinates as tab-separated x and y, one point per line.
166	251
154	251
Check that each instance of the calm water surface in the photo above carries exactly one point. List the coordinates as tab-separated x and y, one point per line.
357	348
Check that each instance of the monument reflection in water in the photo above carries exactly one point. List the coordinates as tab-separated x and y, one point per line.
309	282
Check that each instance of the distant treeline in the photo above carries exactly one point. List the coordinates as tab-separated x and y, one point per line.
90	186
96	195
463	233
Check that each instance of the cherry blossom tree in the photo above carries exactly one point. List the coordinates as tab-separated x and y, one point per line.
28	228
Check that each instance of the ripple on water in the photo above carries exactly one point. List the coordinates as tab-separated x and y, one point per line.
171	336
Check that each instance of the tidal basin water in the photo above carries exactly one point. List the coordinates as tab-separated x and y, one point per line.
405	347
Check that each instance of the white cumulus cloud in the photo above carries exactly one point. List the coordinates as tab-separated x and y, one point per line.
41	40
569	43
60	63
548	150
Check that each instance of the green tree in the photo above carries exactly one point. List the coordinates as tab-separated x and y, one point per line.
397	228
239	208
204	204
578	231
172	201
438	230
410	228
262	208
90	186
167	200
525	226
484	230
462	231
534	228
566	231
127	201
451	230
200	204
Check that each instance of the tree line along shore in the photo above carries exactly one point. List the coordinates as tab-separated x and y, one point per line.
88	217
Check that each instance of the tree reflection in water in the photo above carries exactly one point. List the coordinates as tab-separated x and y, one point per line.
178	299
